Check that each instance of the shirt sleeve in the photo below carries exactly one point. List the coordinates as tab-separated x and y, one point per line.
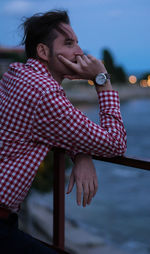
58	123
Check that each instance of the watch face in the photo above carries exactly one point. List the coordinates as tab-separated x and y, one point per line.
101	79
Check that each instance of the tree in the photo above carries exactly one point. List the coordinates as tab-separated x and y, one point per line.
120	75
117	72
108	61
43	181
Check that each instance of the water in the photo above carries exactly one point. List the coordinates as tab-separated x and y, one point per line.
120	212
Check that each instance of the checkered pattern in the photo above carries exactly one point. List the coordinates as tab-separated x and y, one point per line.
35	116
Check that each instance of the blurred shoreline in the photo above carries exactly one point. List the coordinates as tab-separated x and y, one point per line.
79	92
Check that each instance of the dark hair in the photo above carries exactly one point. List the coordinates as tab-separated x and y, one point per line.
40	28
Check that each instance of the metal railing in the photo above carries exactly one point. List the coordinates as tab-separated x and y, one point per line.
59	189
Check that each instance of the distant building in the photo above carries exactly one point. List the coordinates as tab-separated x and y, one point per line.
9	55
4	63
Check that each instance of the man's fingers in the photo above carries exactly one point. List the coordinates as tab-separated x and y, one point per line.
86	192
85	67
86	59
79	193
82	61
84	175
92	58
91	192
70	184
68	63
95	185
90	198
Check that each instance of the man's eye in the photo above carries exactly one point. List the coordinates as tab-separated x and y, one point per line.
70	43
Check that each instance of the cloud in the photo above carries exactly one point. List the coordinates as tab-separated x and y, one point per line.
17	7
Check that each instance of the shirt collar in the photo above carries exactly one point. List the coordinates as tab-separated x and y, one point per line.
38	66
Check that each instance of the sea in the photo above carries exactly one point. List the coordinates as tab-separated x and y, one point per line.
120	211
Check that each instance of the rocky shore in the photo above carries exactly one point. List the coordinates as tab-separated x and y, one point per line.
37	220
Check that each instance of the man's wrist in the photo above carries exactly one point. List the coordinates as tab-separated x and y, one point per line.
80	156
106	87
102	81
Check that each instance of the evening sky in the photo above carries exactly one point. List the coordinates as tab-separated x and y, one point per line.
120	26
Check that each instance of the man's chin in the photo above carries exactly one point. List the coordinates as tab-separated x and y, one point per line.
69	73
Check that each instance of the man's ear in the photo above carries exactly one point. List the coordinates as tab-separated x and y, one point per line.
43	52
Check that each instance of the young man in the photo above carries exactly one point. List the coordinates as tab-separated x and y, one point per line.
35	116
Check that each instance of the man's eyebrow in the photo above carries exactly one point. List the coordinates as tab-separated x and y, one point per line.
70	39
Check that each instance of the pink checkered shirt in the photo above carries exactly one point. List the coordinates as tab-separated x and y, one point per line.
35	115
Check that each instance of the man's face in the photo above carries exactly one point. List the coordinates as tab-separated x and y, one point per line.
66	44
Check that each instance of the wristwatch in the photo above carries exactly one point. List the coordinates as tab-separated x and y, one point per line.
101	78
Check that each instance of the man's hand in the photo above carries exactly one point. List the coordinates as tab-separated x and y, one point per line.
84	175
86	67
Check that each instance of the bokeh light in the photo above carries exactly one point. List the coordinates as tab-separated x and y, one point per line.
90	82
132	79
143	83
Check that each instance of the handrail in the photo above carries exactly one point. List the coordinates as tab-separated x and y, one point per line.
126	161
59	189
59	198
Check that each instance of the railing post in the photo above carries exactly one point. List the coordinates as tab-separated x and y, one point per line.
59	199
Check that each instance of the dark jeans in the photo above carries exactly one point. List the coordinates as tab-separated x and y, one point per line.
13	240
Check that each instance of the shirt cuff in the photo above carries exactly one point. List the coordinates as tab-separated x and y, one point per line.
109	99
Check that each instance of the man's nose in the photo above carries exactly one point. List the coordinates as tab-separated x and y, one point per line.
79	51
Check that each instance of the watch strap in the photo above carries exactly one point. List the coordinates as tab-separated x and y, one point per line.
107	75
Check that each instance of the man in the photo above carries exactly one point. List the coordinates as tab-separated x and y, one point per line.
36	116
